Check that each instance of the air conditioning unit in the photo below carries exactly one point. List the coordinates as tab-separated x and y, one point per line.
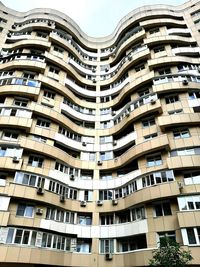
13	26
114	202
83	203
99	202
114	142
94	80
62	198
93	70
185	82
16	159
72	177
84	143
113	113
127	114
113	55
9	34
39	211
40	191
99	163
108	256
153	101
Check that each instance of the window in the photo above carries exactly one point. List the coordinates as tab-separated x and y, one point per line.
105	176
162	209
29	179
29	75
35	161
88	195
49	94
154	30
193	235
84	219
162	235
144	92
106	139
164	71
10	136
181	133
105	194
58	49
138	213
54	70
42	34
194	95
189	203
107	219
106	246
106	155
159	49
171	99
25	210
20	102
177	111
139	67
43	123
148	122
105	124
60	215
192	177
150	136
83	245
157	178
154	160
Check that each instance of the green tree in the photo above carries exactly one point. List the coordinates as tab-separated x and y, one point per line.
170	254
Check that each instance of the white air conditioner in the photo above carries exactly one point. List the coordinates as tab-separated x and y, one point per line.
127	114
16	159
99	202
113	113
39	211
129	57
83	203
94	80
108	256
114	202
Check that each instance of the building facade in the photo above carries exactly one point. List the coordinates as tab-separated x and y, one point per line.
99	138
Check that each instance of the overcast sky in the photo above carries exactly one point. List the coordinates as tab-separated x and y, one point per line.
95	17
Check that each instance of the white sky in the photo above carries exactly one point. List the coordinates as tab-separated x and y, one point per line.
95	17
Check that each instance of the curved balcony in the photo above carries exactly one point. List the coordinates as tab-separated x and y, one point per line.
178	31
162	22
109	231
182	119
24	64
28	42
157	143
77	115
171	60
167	39
180	162
125	64
130	116
184	51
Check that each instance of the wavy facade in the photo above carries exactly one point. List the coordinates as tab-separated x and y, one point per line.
100	138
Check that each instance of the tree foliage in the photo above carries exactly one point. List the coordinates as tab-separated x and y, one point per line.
170	254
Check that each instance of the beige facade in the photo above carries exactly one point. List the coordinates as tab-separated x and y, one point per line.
99	138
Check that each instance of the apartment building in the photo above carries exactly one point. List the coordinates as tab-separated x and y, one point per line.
99	138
